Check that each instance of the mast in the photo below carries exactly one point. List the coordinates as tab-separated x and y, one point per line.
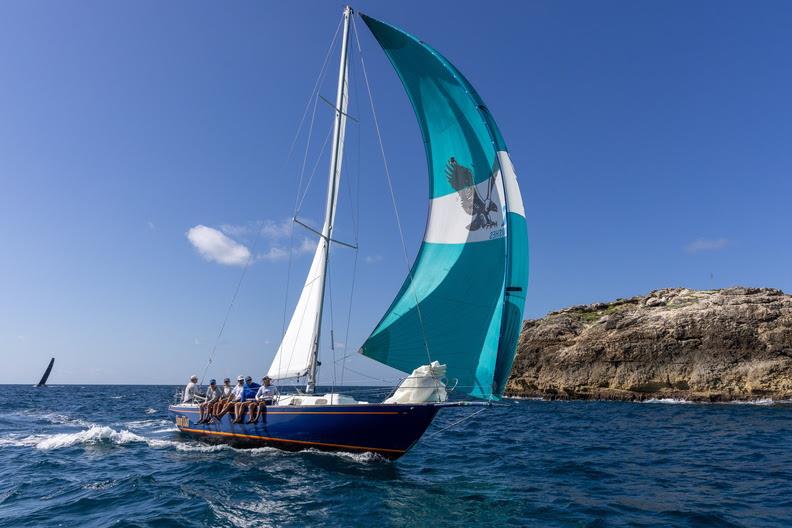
332	186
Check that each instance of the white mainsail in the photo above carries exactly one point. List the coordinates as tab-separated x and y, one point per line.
297	353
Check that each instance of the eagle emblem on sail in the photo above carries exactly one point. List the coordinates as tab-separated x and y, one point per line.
478	207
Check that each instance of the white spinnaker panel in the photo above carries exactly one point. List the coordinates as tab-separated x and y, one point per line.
450	223
513	195
295	352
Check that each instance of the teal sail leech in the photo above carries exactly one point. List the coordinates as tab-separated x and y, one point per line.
464	296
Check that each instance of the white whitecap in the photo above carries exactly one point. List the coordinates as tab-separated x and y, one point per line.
760	401
95	435
145	424
668	401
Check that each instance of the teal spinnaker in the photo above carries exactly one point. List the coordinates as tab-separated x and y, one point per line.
462	302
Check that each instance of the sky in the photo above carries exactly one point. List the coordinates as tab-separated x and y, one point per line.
143	144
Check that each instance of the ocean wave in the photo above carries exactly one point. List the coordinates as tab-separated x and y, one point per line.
189	446
145	424
165	430
668	401
54	418
16	440
95	435
151	410
760	401
365	457
197	447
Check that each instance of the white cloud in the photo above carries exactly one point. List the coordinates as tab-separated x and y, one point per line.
704	244
235	230
276	230
270	229
273	253
279	253
371	259
306	246
217	247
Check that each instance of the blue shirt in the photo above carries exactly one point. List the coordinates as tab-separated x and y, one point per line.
249	391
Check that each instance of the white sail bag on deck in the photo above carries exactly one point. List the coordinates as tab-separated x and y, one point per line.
423	385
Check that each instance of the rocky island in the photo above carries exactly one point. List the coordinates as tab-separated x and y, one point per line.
697	345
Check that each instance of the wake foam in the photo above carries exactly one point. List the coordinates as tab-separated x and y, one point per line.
20	441
190	446
668	401
151	410
105	435
93	436
145	424
53	418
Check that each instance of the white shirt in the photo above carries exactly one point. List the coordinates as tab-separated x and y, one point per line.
190	392
213	394
228	390
266	393
237	392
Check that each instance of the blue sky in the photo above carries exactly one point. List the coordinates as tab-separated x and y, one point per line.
651	140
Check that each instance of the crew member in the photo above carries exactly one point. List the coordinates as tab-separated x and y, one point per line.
191	391
225	395
264	396
239	400
250	388
236	397
213	394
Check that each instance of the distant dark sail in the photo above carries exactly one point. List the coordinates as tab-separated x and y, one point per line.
46	373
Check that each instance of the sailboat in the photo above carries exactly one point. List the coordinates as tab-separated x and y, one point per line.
43	381
458	313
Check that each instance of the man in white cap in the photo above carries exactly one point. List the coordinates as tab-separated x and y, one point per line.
191	392
265	396
237	397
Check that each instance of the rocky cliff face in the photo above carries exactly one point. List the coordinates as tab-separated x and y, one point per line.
718	345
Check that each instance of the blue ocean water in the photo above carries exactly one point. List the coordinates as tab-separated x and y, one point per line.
109	456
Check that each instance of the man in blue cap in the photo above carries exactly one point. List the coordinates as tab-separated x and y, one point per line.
213	394
251	388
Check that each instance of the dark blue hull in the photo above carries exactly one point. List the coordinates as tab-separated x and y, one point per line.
389	430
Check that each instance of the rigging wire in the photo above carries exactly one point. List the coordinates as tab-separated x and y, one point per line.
313	97
332	326
355	225
298	209
322	71
468	417
233	300
393	196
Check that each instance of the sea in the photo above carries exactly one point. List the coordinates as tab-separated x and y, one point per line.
110	456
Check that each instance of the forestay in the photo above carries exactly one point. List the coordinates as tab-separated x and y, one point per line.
462	301
298	348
